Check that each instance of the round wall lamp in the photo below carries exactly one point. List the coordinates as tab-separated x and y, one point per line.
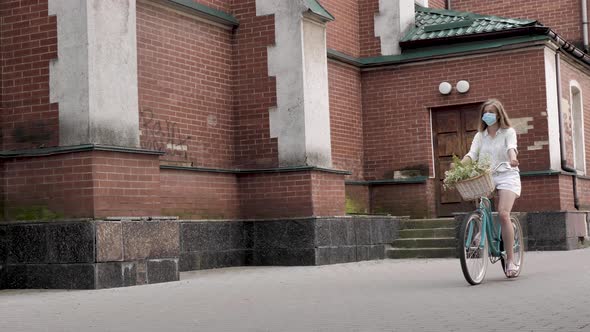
462	86
445	88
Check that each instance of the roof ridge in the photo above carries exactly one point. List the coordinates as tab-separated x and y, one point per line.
471	15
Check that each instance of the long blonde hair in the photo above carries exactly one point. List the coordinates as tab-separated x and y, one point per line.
503	119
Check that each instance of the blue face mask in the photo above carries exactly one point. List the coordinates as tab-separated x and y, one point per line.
489	118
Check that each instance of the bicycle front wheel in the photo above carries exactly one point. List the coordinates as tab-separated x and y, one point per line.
474	255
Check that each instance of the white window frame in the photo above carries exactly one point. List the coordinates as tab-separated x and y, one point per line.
577	114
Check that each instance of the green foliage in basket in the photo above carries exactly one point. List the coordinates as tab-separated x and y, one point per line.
464	171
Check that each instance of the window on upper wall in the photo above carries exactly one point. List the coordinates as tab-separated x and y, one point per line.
578	127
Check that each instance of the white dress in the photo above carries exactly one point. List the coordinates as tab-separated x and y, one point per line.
495	149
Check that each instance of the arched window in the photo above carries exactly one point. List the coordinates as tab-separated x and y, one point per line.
578	127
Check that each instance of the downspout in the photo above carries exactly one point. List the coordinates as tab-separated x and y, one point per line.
449	4
584	24
564	165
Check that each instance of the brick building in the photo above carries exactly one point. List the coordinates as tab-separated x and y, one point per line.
267	114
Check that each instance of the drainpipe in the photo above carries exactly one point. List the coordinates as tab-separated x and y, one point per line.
449	4
584	24
564	165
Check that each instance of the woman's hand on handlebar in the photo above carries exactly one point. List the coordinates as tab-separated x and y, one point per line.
514	162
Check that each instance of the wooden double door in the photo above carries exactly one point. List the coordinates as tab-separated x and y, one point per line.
453	130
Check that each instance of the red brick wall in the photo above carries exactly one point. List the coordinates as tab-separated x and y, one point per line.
540	193
563	16
343	32
346	118
369	44
185	87
441	4
415	200
60	183
583	187
222	5
28	41
254	90
125	184
275	195
85	184
396	106
197	195
328	194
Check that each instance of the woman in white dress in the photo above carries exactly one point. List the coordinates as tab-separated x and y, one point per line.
496	142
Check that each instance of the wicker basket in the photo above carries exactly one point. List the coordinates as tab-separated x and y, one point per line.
476	187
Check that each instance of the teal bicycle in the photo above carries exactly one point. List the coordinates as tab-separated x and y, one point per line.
481	240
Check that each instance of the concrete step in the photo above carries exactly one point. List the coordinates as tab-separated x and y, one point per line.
437	242
427	223
426	233
396	253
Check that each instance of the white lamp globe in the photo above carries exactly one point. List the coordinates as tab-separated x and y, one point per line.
462	86
445	88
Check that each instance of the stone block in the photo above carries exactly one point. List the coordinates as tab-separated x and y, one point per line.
70	243
323	256
322	232
109	241
547	231
189	261
129	273
141	272
150	239
284	257
109	275
219	259
343	254
162	270
3	244
342	232
362	228
284	234
212	236
376	252
26	243
71	276
377	229
362	253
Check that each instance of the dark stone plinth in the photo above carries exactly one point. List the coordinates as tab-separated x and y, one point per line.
26	243
191	261
212	236
70	243
284	234
284	257
162	270
109	241
555	230
150	239
53	276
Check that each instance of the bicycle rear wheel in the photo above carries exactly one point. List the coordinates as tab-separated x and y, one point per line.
518	247
474	257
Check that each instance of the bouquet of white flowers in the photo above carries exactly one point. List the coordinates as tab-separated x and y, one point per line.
465	171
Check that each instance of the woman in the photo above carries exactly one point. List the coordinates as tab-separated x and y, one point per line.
496	141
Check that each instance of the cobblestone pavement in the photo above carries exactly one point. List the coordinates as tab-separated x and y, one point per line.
553	294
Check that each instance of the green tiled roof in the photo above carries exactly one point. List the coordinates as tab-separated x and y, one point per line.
316	8
439	23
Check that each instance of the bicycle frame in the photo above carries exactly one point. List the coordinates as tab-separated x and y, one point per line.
491	230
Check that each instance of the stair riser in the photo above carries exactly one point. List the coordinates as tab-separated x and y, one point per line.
423	253
427	223
426	233
424	243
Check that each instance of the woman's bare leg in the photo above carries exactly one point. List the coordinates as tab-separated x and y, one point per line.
506	201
